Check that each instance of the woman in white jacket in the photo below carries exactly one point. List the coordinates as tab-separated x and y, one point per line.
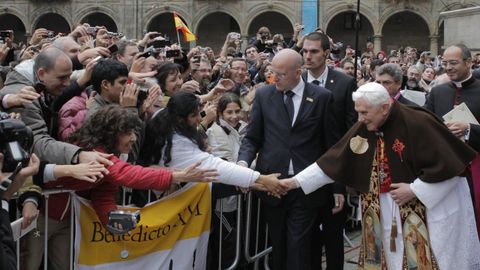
172	140
224	138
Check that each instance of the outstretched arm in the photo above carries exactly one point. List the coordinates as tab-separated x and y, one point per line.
310	179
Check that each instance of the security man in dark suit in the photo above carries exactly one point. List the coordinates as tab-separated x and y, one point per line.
316	49
291	125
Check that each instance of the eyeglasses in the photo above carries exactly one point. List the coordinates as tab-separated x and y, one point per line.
278	74
451	63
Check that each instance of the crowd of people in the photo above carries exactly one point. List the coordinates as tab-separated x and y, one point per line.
109	112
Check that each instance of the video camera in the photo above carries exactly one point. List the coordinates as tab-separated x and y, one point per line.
121	222
16	140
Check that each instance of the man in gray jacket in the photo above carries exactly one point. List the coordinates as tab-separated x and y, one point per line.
49	76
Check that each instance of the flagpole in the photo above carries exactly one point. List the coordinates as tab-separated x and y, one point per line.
176	30
178	38
357	30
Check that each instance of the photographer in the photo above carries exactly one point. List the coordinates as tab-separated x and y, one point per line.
8	259
232	45
263	36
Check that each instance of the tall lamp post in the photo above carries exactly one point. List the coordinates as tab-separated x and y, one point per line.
357	30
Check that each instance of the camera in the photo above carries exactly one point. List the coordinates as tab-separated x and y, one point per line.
92	30
142	95
16	140
4	34
160	43
236	36
121	222
172	53
150	51
113	48
264	36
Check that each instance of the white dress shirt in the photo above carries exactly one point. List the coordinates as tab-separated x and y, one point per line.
322	79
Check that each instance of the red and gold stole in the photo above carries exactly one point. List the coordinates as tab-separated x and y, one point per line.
417	253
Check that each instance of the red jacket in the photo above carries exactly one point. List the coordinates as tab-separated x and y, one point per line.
102	193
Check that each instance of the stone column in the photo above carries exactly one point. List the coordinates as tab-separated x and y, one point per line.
377	43
434	44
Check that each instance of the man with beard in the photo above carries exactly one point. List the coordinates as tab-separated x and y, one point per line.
202	74
413	78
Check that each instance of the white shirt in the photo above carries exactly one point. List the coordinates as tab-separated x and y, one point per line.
322	79
297	99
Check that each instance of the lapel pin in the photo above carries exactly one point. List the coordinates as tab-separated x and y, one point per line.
331	81
309	99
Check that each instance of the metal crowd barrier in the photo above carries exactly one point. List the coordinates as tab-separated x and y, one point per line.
46	195
240	233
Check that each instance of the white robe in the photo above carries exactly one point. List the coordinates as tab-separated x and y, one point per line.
450	219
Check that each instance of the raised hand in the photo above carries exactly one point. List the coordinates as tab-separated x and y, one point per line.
129	96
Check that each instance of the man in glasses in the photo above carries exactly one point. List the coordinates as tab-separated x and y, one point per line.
291	124
390	76
462	88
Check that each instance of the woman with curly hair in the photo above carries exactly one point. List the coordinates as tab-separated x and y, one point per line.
111	130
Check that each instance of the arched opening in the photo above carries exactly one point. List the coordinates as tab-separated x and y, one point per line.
342	29
100	19
276	22
53	22
397	32
213	29
165	24
12	22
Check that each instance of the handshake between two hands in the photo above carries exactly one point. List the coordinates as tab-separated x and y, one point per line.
274	186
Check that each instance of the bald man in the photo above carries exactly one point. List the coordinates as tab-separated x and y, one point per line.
291	126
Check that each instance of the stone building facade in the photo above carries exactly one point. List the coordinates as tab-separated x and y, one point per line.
389	23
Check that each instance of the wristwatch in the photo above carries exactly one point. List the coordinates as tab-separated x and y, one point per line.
76	157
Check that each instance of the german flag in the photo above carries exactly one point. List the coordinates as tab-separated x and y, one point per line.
179	25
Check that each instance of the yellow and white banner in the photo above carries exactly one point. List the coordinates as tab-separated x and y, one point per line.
172	234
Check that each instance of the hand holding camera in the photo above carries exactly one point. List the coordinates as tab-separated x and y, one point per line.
38	35
129	96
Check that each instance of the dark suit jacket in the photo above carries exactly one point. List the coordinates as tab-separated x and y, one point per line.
442	98
271	135
8	259
342	87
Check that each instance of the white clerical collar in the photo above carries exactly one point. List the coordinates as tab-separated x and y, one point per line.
459	84
322	78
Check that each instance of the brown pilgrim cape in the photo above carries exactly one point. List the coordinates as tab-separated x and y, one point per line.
431	152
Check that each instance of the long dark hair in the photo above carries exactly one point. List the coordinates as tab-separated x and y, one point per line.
104	127
173	119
